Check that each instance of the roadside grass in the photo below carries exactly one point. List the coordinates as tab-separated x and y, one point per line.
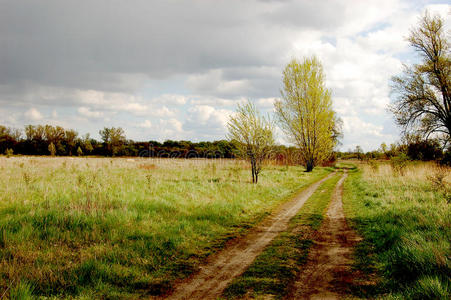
125	228
351	165
406	225
274	271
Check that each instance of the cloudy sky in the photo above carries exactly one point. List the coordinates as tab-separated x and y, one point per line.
176	69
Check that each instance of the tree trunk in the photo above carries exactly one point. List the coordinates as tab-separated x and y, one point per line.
309	165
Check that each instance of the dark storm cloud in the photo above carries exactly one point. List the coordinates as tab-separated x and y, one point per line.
94	44
89	43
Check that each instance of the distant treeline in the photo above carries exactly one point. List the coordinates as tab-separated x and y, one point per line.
56	140
413	147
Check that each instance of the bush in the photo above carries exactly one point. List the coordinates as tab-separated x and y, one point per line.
439	184
9	152
446	160
374	165
424	150
399	163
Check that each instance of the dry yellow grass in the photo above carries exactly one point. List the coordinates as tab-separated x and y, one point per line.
418	171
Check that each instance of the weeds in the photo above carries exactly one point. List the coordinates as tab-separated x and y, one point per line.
374	165
26	178
149	179
399	163
407	230
22	291
99	233
438	182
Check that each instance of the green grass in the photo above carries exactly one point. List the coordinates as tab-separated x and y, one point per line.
406	225
275	270
117	228
345	165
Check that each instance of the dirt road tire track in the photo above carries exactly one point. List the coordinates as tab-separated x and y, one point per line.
328	271
229	263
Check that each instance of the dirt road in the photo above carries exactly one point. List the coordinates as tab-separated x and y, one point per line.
328	271
232	261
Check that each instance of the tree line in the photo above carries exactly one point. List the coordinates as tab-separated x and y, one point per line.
412	147
56	140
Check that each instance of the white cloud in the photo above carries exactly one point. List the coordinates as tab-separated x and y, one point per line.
33	114
88	113
145	124
170	99
365	134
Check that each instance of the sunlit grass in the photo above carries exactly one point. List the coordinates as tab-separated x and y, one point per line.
406	222
99	227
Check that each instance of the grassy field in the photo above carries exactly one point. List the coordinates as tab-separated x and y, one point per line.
405	219
123	228
272	274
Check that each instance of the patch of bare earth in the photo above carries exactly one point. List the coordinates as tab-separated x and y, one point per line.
328	272
233	260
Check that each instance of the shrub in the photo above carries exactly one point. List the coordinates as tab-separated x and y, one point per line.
446	160
439	184
424	150
373	165
9	152
399	163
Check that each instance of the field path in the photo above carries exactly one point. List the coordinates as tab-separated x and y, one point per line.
229	263
328	272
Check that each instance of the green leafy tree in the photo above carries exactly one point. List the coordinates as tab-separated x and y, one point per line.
87	143
305	111
52	149
9	137
70	137
423	91
359	152
383	148
253	135
79	151
113	138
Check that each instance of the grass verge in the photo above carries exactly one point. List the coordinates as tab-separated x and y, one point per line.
274	271
406	225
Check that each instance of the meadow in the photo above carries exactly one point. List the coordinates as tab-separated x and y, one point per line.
125	228
404	215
